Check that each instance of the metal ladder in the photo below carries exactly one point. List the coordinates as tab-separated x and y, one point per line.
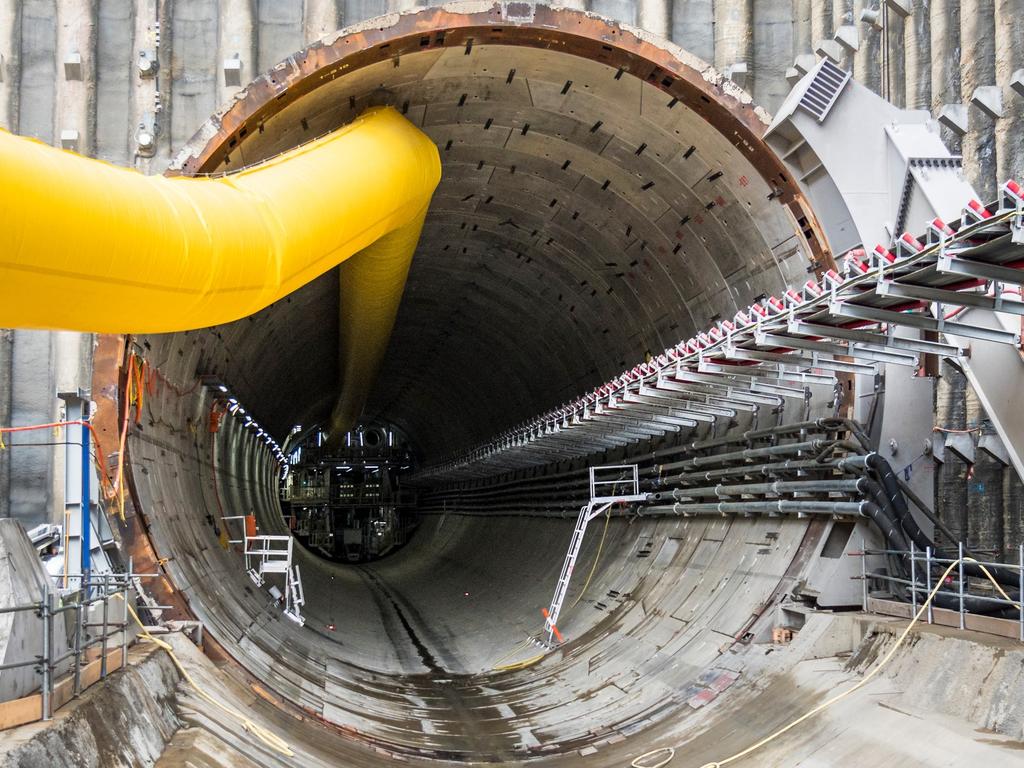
600	502
273	555
295	596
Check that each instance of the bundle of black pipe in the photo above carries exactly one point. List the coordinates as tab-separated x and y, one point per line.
893	517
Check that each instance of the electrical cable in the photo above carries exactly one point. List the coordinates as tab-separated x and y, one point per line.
664	755
269	738
597	557
513	652
520	664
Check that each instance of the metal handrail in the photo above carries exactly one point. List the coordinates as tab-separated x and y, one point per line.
960	581
100	589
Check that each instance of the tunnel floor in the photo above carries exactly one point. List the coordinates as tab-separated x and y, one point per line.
879	726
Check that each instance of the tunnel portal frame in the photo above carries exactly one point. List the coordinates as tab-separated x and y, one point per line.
659	63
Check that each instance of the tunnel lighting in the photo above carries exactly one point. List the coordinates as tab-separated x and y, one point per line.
222	388
361	443
233	401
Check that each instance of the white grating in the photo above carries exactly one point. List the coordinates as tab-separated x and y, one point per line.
824	89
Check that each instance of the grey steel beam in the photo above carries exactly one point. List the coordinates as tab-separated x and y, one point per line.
957	265
862	351
772	374
953	298
814	361
860	312
806	328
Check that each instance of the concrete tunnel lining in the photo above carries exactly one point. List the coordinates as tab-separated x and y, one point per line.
555	254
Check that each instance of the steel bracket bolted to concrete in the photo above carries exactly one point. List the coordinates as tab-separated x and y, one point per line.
848	37
961	444
900	7
829	49
954	117
1017	82
993	445
989	99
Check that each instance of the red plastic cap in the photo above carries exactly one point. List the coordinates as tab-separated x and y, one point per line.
911	241
884	253
979	209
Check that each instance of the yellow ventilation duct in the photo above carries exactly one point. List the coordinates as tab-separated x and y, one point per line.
89	246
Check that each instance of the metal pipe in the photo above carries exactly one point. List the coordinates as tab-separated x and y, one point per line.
960	556
47	670
124	615
777	487
752	453
913	578
103	637
77	686
780	506
85	508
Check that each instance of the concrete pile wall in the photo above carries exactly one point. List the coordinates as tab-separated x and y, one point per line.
937	55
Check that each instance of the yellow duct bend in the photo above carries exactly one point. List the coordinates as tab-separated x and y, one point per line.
88	246
92	247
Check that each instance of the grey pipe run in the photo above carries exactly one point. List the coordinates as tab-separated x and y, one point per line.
775	507
776	488
748	454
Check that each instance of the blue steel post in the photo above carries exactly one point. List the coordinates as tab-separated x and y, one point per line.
86	522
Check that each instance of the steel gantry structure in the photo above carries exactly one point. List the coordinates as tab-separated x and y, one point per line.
946	281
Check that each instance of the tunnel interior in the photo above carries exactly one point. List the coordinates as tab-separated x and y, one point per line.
591	212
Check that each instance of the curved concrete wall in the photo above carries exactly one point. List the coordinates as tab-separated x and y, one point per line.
408	663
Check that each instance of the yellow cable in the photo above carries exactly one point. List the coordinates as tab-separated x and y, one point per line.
520	664
272	740
524	643
514	651
664	755
597	557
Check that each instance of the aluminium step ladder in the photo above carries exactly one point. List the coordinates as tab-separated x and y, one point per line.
612	484
266	555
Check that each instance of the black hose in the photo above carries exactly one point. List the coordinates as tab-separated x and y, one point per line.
886	524
883	470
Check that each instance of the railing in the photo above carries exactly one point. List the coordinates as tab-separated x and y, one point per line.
924	569
82	636
614	482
